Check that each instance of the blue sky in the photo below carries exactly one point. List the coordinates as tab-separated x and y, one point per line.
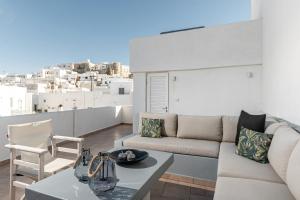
38	33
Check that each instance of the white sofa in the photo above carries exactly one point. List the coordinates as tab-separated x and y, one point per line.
238	178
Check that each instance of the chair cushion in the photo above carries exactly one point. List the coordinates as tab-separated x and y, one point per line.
170	122
252	122
228	188
283	143
229	128
199	127
233	165
293	172
175	145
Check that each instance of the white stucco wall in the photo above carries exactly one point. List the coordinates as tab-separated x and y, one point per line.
139	97
281	60
212	68
127	114
93	119
220	91
207	92
226	45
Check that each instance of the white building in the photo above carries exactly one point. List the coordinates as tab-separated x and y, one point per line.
119	86
54	72
15	100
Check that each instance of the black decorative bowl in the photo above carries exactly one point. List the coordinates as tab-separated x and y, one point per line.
139	156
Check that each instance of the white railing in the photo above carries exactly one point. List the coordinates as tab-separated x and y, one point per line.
70	123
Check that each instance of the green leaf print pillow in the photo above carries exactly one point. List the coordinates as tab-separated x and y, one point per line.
151	127
254	145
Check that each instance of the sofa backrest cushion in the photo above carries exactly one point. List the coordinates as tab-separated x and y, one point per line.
229	128
200	127
271	129
283	143
169	128
293	172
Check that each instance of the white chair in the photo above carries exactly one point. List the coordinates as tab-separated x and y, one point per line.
29	155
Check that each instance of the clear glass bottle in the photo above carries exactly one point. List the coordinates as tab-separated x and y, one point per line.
81	165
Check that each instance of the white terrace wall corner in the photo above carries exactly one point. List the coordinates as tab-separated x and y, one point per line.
212	66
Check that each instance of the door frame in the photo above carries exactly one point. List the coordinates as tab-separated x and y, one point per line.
148	75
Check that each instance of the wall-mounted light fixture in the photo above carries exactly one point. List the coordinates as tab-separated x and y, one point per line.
250	74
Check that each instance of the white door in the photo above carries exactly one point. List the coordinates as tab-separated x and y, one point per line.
158	92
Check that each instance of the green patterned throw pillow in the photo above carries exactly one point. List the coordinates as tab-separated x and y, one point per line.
254	145
151	127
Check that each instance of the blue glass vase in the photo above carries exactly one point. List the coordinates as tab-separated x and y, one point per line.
102	173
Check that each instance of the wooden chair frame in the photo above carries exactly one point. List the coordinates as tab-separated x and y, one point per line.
14	161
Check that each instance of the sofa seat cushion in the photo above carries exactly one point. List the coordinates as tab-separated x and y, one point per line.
228	188
233	165
175	145
200	127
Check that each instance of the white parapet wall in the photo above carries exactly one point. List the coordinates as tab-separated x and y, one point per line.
69	123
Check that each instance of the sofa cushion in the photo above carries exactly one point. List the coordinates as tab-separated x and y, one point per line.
293	172
270	120
228	188
254	145
199	127
272	128
233	165
170	122
252	122
229	128
175	145
283	143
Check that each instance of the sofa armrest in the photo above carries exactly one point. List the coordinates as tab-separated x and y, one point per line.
119	142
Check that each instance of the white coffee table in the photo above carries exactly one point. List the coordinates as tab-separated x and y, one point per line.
134	182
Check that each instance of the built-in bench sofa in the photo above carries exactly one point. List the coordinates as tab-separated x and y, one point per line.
204	148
